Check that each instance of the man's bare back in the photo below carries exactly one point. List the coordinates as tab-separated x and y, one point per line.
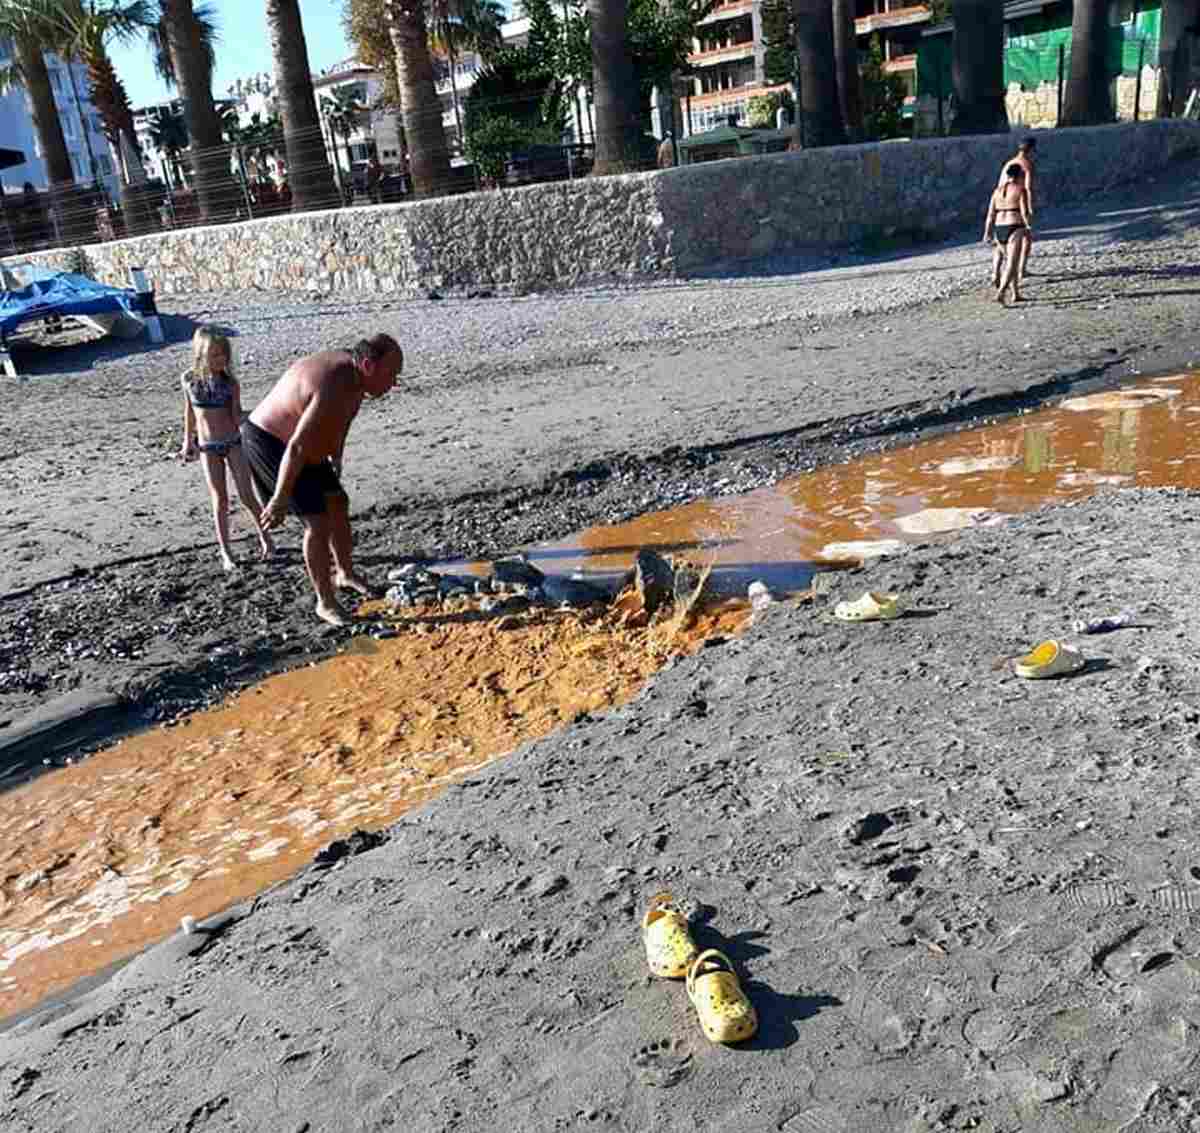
294	441
331	380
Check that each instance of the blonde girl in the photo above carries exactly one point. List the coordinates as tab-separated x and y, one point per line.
212	417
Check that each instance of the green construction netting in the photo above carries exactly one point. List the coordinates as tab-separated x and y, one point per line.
1031	55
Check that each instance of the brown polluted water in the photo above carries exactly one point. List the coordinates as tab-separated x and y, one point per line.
1136	436
105	856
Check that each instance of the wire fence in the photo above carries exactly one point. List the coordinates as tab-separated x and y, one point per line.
268	173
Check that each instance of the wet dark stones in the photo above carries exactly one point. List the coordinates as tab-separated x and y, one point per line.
518	570
654	578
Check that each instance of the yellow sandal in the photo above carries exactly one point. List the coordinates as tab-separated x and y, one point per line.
726	1013
670	948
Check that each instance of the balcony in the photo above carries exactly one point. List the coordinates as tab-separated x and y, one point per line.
732	95
901	65
896	18
728	12
730	54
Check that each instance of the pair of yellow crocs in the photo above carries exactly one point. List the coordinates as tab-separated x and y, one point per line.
725	1011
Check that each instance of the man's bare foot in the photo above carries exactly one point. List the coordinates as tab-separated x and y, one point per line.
228	565
1000	298
334	614
354	582
266	549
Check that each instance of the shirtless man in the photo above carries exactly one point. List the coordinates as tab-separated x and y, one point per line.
294	442
1024	157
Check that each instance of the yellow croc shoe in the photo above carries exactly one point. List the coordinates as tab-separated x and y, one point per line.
871	607
725	1011
1050	659
670	948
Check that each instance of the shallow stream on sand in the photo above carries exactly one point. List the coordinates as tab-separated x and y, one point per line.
105	856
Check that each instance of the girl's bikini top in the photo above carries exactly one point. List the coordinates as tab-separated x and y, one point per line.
213	392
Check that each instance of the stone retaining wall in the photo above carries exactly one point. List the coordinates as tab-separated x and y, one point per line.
674	222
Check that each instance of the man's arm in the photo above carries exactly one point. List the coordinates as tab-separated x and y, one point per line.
338	456
296	456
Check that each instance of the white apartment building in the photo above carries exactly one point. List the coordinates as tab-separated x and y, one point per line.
376	130
91	156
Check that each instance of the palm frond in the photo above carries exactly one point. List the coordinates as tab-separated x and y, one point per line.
205	17
11	77
30	19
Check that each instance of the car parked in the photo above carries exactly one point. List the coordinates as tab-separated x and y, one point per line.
539	163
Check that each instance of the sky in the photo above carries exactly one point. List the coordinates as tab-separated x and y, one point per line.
242	50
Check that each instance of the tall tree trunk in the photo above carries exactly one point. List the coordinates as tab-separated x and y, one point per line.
210	157
819	117
1088	99
845	49
1174	55
46	122
309	174
428	157
452	53
977	67
112	104
615	90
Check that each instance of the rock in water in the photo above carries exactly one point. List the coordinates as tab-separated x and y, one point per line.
655	579
519	570
571	591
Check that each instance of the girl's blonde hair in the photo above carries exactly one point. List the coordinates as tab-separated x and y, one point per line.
205	338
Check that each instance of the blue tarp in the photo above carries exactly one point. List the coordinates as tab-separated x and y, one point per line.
62	295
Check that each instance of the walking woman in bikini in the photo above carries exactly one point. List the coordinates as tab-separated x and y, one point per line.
212	414
1008	222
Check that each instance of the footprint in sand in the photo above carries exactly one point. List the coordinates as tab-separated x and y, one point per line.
1175	898
663	1063
1098	895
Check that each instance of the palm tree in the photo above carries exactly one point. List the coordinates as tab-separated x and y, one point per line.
1177	16
615	89
845	50
85	28
819	117
977	68
26	23
168	132
183	51
343	112
309	174
257	140
429	159
1088	99
473	24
